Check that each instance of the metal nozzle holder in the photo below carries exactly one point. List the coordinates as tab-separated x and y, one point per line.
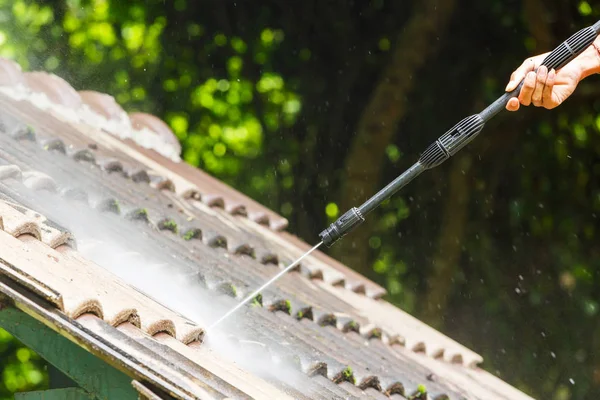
341	226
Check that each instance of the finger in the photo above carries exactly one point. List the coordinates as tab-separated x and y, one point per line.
536	97
518	75
513	104
547	100
527	90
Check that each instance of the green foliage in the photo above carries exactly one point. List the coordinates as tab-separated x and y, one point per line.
21	369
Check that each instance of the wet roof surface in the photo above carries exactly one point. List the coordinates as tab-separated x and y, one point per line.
75	195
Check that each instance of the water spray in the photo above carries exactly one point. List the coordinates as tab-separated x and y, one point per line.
442	149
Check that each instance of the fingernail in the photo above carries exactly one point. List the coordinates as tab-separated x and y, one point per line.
509	87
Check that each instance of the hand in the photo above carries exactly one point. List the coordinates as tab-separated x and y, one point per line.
545	88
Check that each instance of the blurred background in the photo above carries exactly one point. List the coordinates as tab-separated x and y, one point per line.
310	107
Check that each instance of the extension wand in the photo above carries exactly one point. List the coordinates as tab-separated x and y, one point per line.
442	149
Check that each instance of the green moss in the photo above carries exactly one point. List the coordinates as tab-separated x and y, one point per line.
140	214
257	301
30	133
288	307
420	394
328	320
111	205
192	234
300	314
227	289
168	225
375	334
347	376
347	372
281	305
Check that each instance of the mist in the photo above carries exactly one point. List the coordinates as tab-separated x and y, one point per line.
119	246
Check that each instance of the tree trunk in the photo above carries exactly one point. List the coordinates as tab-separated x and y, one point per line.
536	13
449	248
377	125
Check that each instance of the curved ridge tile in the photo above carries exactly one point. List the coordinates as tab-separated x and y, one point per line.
372	382
54	87
88	306
213	200
348	325
345	375
153	317
266	256
10	172
110	164
108	205
260	217
161	183
17	224
373	333
54	237
81	154
39	181
159	326
140	121
242	249
317	368
10	73
137	174
395	388
214	239
103	104
326	319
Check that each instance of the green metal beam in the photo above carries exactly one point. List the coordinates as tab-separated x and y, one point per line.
93	375
55	394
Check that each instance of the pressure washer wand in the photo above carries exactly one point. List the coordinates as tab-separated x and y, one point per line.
456	138
442	149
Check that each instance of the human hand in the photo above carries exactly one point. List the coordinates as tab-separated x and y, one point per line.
543	88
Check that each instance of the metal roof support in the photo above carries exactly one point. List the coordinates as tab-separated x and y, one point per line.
55	394
94	376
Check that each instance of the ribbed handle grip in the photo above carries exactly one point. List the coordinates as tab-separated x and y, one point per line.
570	48
558	58
452	141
